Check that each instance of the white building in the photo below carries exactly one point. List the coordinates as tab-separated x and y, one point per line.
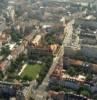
11	12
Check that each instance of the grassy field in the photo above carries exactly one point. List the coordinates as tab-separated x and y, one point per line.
32	70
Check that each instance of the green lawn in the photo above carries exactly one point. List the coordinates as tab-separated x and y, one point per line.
32	70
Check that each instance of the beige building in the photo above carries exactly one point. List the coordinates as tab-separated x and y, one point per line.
36	41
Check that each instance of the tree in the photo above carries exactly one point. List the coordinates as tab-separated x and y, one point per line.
89	77
50	39
31	98
5	51
84	90
85	93
27	78
15	36
14	64
71	71
18	77
39	80
95	97
18	62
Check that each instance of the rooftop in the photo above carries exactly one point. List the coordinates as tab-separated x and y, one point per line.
60	73
65	96
36	39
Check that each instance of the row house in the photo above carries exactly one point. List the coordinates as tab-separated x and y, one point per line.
79	63
52	95
4	65
92	87
60	78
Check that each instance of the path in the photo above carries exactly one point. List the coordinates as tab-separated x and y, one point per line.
23	67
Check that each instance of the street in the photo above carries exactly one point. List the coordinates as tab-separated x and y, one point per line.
43	86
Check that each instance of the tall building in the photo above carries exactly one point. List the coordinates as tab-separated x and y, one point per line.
11	12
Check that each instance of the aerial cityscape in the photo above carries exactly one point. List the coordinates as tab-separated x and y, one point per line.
48	49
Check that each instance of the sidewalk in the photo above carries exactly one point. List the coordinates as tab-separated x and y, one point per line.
23	67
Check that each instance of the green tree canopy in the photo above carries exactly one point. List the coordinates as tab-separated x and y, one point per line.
5	50
71	71
85	93
15	36
27	78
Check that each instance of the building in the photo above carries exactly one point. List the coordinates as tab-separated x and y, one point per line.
36	41
79	63
54	48
52	95
11	10
12	98
4	65
84	38
15	52
4	38
60	78
7	91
